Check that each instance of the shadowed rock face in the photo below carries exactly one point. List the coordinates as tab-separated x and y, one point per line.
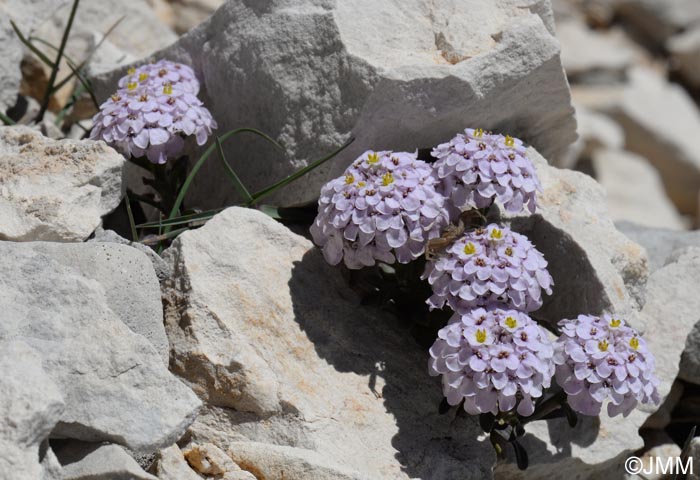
285	356
394	74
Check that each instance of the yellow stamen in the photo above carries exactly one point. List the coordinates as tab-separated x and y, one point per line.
116	98
603	345
510	141
131	71
143	77
634	343
387	179
510	322
372	158
167	89
361	184
614	323
478	132
470	248
349	179
509	251
481	335
496	234
132	85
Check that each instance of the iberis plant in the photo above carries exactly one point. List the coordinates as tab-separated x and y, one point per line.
392	211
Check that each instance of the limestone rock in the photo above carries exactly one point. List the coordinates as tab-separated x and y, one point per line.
643	200
310	76
661	123
590	56
279	347
171	465
95	461
30	406
190	13
10	58
656	20
659	243
595	267
595	131
210	460
113	381
55	190
685	53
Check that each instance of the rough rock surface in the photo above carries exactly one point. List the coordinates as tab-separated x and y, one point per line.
55	190
96	461
271	337
309	74
661	123
10	57
597	448
210	460
595	267
659	243
190	13
171	465
30	406
643	200
685	53
657	20
113	381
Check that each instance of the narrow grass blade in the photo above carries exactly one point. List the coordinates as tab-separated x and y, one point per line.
296	175
182	220
86	84
130	214
82	64
161	238
31	46
232	174
54	70
6	120
188	181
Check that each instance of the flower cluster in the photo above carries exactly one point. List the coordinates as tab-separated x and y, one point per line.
384	208
477	167
152	112
493	359
489	265
600	359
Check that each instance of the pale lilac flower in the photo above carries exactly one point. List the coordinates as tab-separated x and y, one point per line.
489	265
161	73
151	121
602	359
479	167
495	360
384	208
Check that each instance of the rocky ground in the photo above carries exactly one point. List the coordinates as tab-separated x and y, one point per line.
237	353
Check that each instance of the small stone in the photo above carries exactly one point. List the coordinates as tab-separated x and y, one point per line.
171	465
96	461
209	459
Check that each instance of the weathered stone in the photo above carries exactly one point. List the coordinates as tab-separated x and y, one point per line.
96	461
662	417
171	465
595	131
592	57
30	406
10	58
55	190
282	351
644	200
685	53
310	76
655	21
659	243
210	460
114	383
659	450
595	267
190	13
661	123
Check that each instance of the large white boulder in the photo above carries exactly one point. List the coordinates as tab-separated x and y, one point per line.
395	74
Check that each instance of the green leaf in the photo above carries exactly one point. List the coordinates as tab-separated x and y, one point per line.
31	46
296	175
232	175
188	181
130	214
184	219
6	120
54	69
